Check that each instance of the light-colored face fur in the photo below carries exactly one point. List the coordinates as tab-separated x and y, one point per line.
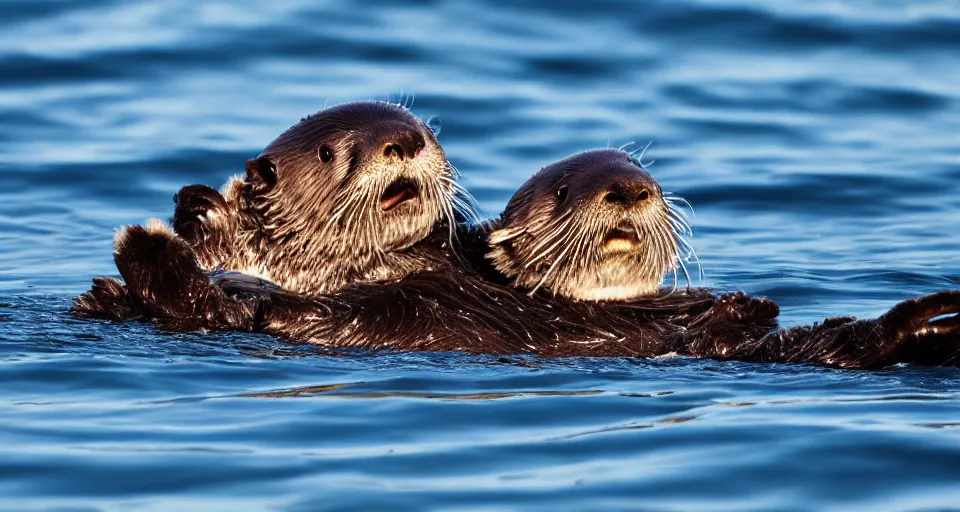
593	226
340	191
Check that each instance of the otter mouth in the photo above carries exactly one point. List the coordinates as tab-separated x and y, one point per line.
397	193
622	238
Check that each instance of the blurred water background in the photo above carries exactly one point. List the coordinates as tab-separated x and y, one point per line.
819	142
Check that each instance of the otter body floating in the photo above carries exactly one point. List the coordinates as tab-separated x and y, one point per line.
570	269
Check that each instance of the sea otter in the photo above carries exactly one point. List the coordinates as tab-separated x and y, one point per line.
343	196
580	248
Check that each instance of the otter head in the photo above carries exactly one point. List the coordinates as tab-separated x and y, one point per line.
593	226
351	183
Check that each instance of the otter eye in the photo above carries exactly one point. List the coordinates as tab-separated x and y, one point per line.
562	193
325	154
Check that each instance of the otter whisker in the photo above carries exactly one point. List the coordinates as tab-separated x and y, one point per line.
670	198
448	213
679	227
676	279
556	232
692	253
466	211
556	237
639	159
559	239
454	172
465	203
678	217
686	274
442	187
543	279
684	252
467	206
662	235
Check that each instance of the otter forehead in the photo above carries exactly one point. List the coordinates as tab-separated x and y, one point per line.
349	123
596	164
600	174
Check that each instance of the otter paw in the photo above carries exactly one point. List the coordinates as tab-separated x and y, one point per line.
740	307
935	314
926	329
160	270
196	206
107	299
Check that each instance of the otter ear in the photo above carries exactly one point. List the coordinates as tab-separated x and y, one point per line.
500	236
262	171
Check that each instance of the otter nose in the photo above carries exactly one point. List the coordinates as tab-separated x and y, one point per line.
403	144
626	193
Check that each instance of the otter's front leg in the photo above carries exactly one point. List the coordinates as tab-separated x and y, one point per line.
914	331
165	283
204	220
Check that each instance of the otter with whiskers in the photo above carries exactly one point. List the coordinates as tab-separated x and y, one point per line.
587	240
573	295
346	195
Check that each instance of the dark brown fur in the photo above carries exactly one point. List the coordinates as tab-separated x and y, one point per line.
451	310
447	306
592	226
344	196
310	212
415	314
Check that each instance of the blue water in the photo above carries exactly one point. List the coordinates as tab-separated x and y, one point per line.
819	142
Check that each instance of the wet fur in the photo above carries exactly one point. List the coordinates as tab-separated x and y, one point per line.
551	234
415	314
448	305
314	226
309	225
451	309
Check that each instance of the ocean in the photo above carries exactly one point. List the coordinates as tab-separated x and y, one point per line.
818	141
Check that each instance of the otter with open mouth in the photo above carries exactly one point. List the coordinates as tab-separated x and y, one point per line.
345	195
595	226
583	247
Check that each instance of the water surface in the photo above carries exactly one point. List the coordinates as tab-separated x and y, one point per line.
819	142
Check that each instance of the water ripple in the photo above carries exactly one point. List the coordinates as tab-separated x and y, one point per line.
817	141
